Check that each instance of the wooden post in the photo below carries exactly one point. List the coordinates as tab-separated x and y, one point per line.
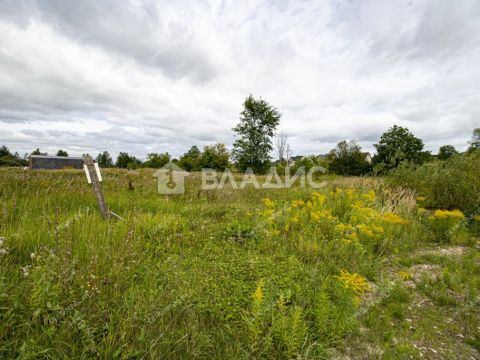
97	187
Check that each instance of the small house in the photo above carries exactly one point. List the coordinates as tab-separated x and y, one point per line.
37	162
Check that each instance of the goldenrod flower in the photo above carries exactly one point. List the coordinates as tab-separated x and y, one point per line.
297	203
370	196
354	281
442	214
365	230
268	203
258	295
404	275
394	218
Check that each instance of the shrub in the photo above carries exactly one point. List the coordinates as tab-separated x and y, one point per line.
450	184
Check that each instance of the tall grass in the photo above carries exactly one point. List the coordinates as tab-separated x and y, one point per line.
225	274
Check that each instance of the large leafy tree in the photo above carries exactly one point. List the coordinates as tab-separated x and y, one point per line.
104	159
62	153
254	133
4	151
396	145
347	158
155	160
126	161
38	152
214	157
190	160
446	151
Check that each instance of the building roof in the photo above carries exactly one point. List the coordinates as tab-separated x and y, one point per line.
56	157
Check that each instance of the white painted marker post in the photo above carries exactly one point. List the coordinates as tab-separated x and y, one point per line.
94	177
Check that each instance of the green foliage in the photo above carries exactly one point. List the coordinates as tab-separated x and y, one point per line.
348	159
450	184
104	160
38	152
190	160
307	162
397	145
179	276
214	157
257	125
447	151
239	232
475	142
9	159
62	153
127	162
156	161
4	151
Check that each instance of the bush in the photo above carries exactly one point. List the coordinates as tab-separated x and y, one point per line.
451	184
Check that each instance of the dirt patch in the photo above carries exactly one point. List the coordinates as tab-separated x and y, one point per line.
425	270
447	251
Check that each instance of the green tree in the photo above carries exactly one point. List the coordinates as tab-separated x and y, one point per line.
190	160
127	162
4	151
156	161
446	151
347	158
37	152
396	145
104	160
475	143
214	157
257	125
62	153
307	162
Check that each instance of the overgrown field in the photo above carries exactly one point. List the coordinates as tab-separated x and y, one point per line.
352	270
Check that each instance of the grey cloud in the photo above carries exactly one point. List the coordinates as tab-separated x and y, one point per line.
161	76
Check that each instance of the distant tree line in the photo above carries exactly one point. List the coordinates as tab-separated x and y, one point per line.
254	144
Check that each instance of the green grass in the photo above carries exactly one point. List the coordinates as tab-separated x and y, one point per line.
220	274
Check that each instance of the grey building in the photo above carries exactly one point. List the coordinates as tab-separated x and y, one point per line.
54	162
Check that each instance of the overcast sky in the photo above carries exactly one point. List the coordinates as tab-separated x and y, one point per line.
155	76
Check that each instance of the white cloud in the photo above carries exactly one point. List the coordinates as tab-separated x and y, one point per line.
143	76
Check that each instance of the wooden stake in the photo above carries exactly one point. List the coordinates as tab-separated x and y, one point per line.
97	186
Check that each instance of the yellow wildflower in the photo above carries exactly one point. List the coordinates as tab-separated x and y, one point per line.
394	218
258	295
343	228
476	218
268	203
405	275
377	229
297	203
295	220
275	233
358	204
325	215
370	196
354	281
350	192
364	229
319	198
442	214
